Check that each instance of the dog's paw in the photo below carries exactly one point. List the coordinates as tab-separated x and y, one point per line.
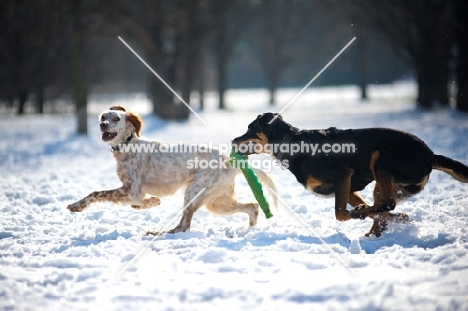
172	231
377	228
359	212
372	232
402	218
177	229
342	215
355	215
155	233
76	207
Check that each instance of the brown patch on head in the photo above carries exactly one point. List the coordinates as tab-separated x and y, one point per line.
118	108
135	120
261	140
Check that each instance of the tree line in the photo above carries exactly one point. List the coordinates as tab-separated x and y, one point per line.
53	49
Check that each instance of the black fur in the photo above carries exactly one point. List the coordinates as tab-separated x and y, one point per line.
399	162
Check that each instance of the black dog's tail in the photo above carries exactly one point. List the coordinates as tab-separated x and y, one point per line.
458	170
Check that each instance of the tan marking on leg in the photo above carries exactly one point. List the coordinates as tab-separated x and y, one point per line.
355	200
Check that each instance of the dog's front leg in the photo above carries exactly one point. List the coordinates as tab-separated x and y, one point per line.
342	195
384	200
117	196
147	203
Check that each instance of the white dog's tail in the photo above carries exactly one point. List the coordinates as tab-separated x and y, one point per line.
268	184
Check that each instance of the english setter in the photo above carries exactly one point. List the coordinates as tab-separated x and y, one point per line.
146	176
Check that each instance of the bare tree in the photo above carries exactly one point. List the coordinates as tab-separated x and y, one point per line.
33	39
171	35
421	34
79	69
290	33
461	36
277	31
229	19
362	45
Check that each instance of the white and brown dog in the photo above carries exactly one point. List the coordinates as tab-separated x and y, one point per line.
146	176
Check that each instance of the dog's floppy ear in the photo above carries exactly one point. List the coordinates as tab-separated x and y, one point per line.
135	120
270	115
117	108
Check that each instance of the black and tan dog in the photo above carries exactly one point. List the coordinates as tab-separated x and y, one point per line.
399	162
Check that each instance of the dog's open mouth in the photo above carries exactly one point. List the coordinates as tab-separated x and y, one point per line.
106	136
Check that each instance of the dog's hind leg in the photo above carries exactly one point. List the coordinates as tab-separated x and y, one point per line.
227	205
385	195
384	200
195	196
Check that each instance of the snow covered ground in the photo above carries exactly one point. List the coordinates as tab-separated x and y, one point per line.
51	259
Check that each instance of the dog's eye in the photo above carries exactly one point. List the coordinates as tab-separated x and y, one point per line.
116	119
103	118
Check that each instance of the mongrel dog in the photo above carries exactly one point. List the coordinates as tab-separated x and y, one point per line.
146	176
399	162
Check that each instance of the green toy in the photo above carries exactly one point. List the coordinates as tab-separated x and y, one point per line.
238	161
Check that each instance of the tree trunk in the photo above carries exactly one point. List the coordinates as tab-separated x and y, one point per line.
221	80
462	76
22	98
171	67
272	91
222	64
79	71
362	61
461	9
201	76
184	45
432	73
40	98
273	78
163	99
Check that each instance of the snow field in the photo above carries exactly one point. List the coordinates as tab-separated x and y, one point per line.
51	259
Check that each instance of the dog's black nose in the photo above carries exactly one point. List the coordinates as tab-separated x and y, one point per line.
103	125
